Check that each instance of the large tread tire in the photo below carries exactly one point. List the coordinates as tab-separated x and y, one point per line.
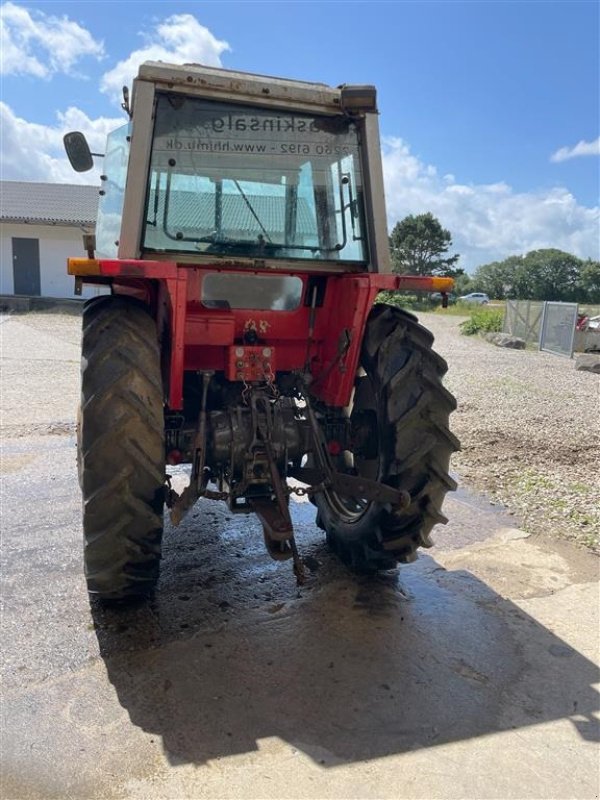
121	448
415	445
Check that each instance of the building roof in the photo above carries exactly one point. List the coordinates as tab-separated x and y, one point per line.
48	203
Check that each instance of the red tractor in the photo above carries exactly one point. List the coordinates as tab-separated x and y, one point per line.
242	234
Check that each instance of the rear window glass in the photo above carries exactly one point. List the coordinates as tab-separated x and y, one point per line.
260	292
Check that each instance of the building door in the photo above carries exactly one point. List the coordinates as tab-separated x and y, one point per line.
26	266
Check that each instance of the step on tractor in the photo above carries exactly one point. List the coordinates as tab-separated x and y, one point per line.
242	236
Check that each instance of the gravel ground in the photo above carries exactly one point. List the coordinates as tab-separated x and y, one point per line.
529	425
528	422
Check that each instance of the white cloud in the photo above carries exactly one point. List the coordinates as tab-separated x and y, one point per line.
178	39
38	44
487	221
582	148
34	152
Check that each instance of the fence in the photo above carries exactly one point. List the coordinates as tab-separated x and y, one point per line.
549	325
523	318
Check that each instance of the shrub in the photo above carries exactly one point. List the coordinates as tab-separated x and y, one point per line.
483	320
414	302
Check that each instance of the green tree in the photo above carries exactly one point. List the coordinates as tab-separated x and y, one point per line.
500	279
588	284
419	245
547	274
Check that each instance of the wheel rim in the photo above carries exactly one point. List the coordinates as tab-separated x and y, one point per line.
363	413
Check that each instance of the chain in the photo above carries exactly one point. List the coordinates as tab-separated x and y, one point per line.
246	391
304	491
299	491
270	379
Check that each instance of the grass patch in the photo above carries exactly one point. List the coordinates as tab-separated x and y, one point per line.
483	320
530	481
580	488
455	310
567	507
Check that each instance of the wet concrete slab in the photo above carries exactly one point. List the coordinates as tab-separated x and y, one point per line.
469	674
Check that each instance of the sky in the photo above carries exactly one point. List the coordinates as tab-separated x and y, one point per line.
489	110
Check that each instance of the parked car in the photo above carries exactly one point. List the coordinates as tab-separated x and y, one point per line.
475	297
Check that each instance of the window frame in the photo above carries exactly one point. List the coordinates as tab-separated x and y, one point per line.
138	173
343	224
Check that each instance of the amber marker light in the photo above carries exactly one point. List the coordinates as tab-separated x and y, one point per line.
442	284
83	266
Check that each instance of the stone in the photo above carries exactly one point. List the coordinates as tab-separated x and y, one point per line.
505	340
590	362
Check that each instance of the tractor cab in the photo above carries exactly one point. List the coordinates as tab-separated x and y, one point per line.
218	165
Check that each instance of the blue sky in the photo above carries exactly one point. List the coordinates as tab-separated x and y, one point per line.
489	111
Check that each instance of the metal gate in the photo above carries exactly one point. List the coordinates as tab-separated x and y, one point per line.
557	332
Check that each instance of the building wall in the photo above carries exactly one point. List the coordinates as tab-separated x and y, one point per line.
57	243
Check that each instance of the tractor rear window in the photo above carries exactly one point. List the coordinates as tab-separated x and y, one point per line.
260	292
240	181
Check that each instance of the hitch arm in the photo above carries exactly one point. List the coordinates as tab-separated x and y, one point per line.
324	475
196	488
351	486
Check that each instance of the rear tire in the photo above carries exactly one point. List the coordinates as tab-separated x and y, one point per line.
401	396
121	448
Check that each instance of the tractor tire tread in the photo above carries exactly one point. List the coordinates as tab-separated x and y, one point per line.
420	448
121	448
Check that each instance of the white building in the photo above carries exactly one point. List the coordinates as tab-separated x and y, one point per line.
41	225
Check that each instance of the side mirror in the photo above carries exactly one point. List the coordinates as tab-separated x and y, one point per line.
78	151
